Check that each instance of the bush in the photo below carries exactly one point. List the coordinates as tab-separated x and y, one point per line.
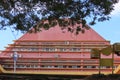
97	77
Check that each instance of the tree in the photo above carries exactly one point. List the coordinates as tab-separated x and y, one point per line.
26	14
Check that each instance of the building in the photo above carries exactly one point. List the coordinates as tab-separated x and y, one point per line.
56	51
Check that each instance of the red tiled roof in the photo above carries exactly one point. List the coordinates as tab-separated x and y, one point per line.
55	33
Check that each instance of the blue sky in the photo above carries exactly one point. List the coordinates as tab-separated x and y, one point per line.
110	30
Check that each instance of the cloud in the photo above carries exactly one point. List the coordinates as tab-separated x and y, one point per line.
116	10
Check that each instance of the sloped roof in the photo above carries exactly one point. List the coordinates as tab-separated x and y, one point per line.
55	33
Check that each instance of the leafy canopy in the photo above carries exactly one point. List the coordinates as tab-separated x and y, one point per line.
25	14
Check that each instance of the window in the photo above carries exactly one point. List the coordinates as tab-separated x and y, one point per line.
64	66
63	49
55	66
42	66
88	67
33	49
87	50
60	66
75	49
103	67
78	66
67	42
48	49
84	66
93	66
74	66
70	66
50	66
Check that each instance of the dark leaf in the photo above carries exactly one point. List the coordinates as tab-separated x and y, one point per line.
25	14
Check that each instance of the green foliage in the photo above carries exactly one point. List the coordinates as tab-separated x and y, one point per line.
107	51
116	47
114	76
26	14
103	77
97	77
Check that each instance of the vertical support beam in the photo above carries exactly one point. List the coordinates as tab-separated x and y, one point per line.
113	59
99	63
112	63
15	57
14	66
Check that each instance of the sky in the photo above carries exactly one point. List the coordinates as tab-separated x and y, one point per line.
109	30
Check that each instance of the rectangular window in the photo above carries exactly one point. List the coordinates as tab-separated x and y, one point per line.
74	66
75	49
48	49
62	49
